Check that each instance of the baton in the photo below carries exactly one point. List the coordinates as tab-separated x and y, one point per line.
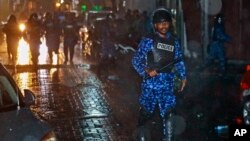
169	64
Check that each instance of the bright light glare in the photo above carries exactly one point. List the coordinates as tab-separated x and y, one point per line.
23	80
22	26
55	58
43	50
24	55
52	71
23	52
58	4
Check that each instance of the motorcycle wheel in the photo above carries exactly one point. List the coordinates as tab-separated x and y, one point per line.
246	112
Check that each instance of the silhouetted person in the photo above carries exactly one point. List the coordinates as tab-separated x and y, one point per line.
13	34
70	34
108	33
52	31
33	36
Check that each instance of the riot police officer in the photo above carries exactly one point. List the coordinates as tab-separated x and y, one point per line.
216	47
216	50
154	53
108	33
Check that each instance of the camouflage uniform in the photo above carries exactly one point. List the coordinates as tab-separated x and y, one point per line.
158	90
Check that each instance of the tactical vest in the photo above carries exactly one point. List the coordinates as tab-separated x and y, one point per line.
162	54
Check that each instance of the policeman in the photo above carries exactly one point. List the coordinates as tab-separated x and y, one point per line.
216	47
108	33
154	53
52	34
107	37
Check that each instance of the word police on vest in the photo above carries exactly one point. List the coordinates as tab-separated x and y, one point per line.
165	47
239	132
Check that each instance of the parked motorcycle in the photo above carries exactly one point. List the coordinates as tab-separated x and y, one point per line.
245	87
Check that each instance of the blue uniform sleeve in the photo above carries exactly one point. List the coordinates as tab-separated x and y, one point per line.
180	66
139	58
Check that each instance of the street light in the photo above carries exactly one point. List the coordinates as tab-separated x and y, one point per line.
58	5
22	27
83	8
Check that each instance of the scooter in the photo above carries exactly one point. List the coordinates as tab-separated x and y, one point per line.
245	87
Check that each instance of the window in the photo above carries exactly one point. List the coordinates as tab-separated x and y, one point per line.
8	95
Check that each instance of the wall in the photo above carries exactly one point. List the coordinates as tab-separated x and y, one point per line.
4	9
141	5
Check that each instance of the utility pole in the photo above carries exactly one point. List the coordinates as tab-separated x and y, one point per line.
204	28
240	27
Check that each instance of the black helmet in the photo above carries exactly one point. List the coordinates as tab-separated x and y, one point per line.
219	18
34	16
161	15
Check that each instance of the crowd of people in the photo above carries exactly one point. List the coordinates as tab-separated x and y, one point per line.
51	27
54	27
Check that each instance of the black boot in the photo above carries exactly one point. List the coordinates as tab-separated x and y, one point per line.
168	128
143	132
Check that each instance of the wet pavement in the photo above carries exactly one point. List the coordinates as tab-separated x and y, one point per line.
82	106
